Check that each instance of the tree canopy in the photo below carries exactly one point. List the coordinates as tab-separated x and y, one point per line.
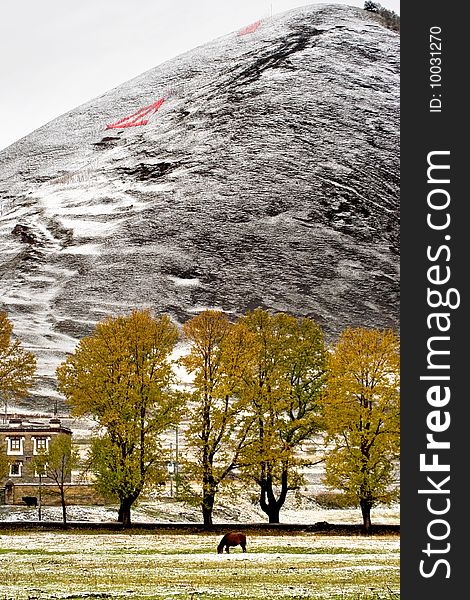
121	375
17	366
218	421
362	412
282	389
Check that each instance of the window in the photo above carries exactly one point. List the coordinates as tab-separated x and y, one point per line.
15	445
40	444
15	469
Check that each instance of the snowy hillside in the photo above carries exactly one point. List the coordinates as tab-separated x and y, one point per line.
269	176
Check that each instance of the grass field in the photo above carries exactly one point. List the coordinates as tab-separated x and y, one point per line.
141	565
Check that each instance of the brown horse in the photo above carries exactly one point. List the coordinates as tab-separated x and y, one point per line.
232	539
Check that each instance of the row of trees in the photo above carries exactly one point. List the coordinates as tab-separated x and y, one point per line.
261	387
389	18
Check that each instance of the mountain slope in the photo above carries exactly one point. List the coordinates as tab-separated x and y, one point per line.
268	177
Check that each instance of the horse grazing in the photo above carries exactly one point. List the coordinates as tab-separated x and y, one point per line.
232	539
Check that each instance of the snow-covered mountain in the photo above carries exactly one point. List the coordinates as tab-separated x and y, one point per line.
269	176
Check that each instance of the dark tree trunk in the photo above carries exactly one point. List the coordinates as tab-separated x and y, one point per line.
207	508
273	512
124	515
268	502
208	488
64	506
366	507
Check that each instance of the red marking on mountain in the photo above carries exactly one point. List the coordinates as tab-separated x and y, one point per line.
250	28
133	120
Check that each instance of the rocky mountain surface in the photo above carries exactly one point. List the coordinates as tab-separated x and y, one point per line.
269	176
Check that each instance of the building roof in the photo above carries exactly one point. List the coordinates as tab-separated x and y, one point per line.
24	425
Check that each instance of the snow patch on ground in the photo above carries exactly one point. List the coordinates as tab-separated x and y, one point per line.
185	282
167	510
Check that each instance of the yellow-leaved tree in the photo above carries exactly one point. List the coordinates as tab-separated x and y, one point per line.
218	423
362	416
282	390
17	366
121	376
17	370
4	464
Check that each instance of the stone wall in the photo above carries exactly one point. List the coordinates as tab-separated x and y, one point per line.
75	494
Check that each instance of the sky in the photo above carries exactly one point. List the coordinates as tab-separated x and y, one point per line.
58	54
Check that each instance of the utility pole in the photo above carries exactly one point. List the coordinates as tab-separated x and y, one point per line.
176	461
171	469
40	495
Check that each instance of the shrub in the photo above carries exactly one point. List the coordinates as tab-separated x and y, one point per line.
372	6
389	18
333	500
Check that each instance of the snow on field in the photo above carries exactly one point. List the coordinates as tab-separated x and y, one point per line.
263	545
138	564
259	547
141	565
168	511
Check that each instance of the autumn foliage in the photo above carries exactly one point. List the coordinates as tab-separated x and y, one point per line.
17	366
121	376
262	386
361	406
